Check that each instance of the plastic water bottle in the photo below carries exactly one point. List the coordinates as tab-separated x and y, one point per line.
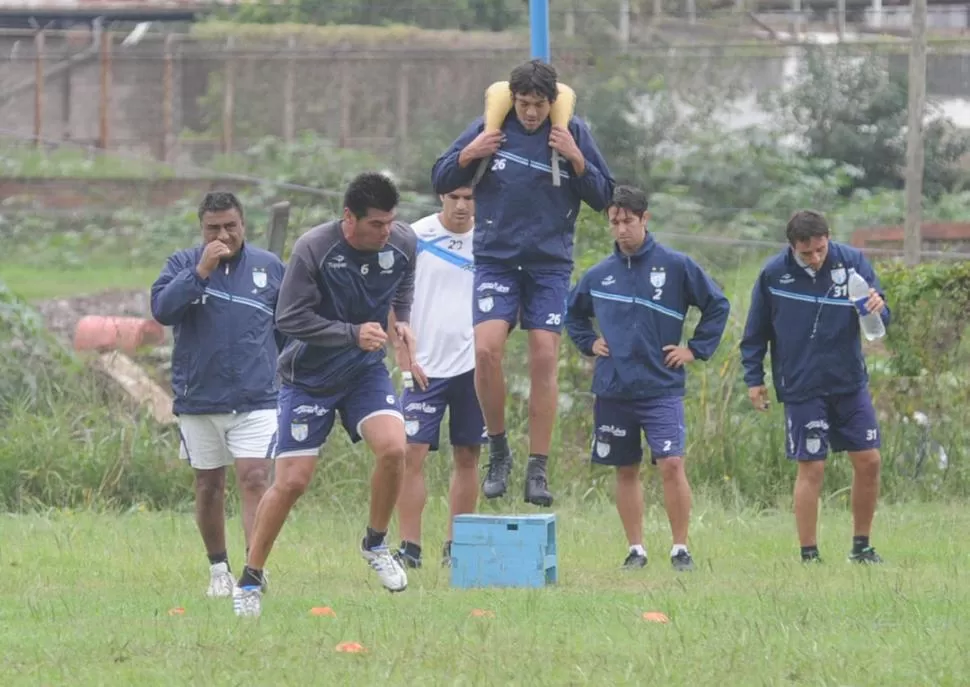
870	323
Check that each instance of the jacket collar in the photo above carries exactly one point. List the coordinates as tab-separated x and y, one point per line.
644	250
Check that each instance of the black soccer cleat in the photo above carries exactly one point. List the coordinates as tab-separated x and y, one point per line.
634	561
497	478
867	555
682	561
536	486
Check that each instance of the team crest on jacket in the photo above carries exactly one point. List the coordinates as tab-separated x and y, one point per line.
299	431
838	274
386	259
259	277
658	277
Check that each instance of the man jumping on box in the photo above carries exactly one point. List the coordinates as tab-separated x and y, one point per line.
523	254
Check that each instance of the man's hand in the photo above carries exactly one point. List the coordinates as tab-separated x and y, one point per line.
759	397
485	144
406	354
677	356
600	348
213	252
875	304
563	142
371	336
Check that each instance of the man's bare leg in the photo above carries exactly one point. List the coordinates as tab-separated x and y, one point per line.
629	506
463	489
293	475
808	488
543	403
411	500
252	476
490	338
866	466
384	435
677	501
210	513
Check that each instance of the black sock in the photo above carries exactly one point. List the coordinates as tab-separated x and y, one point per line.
538	460
373	538
218	558
411	549
809	552
498	443
860	544
251	577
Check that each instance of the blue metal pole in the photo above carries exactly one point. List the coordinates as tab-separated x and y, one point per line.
539	29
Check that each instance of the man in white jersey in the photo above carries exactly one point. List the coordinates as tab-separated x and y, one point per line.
442	373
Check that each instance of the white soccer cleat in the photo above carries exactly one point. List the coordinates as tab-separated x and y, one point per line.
247	601
390	572
220	582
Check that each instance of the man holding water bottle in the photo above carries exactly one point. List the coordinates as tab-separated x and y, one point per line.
804	307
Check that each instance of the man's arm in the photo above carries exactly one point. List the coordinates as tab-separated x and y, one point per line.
866	271
300	298
176	287
404	296
448	173
705	295
277	334
595	182
757	334
579	317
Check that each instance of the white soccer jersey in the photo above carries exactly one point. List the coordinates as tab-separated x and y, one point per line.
441	316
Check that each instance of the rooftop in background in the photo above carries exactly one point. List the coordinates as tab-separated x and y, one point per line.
64	13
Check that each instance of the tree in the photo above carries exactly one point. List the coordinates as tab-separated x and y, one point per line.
852	110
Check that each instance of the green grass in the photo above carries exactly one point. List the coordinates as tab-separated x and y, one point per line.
37	283
26	161
86	600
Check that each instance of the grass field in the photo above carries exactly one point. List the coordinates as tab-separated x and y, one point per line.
32	283
86	600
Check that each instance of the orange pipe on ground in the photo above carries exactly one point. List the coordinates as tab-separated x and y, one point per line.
106	333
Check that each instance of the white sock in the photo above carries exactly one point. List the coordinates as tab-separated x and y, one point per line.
638	549
677	549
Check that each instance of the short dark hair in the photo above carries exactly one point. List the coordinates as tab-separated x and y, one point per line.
806	225
629	198
536	77
219	201
371	190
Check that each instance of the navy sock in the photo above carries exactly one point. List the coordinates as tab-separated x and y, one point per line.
498	443
411	549
251	577
538	460
373	538
809	552
860	544
218	558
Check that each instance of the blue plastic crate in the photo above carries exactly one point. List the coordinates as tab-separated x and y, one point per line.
504	551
